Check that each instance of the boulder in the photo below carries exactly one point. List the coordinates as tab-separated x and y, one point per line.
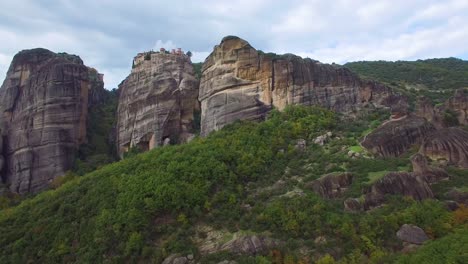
331	185
458	196
44	102
157	102
395	137
352	205
178	259
397	183
448	144
412	234
321	140
239	82
301	144
250	245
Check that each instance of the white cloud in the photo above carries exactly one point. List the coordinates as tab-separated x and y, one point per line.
107	34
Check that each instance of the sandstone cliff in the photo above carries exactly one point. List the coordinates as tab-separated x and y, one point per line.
239	82
44	105
157	102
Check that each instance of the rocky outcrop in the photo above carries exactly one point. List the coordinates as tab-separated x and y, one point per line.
44	104
250	245
458	196
412	234
397	183
452	112
239	82
449	145
395	137
331	185
425	108
459	105
157	102
422	169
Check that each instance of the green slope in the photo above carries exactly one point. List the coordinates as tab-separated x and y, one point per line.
433	77
146	207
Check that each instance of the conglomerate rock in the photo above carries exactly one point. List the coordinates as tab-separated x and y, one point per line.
239	82
44	102
157	102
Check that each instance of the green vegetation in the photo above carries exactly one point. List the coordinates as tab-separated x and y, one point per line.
434	78
99	148
197	69
149	205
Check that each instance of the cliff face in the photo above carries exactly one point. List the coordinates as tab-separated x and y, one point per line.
44	105
395	137
157	102
239	82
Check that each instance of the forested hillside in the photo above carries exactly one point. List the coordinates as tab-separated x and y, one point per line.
436	78
247	182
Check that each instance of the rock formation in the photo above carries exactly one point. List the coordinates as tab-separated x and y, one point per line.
250	245
412	234
331	185
456	108
399	183
422	169
157	102
44	104
459	105
449	145
239	82
395	137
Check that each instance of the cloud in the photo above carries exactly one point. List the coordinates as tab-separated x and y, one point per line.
108	34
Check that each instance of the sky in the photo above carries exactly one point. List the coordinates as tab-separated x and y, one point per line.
107	34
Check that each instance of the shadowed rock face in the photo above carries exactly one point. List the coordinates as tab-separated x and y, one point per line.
399	183
421	168
457	104
44	105
157	102
412	234
449	144
238	82
395	137
331	185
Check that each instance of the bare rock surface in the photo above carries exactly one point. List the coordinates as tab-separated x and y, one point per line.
250	245
397	183
157	102
331	185
239	82
412	234
449	144
395	137
44	102
431	174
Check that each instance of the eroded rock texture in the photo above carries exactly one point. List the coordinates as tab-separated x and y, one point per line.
157	102
44	104
422	169
331	185
397	183
449	144
395	137
239	82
